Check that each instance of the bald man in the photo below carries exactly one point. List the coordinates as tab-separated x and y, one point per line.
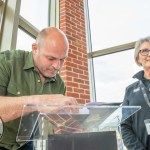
31	78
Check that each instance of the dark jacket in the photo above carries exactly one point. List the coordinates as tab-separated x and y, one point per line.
133	130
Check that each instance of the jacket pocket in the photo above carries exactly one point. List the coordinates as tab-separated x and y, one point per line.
12	90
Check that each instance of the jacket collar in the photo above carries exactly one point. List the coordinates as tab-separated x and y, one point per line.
139	75
29	62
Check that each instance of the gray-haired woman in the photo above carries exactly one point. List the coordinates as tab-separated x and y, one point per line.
136	129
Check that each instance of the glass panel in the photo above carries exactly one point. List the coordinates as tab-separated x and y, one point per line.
118	22
42	122
24	41
112	74
36	12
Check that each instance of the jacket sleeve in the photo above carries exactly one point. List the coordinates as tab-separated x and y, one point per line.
4	75
130	139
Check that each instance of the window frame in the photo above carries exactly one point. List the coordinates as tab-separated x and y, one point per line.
2	11
13	20
98	53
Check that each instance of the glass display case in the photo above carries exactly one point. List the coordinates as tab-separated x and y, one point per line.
73	127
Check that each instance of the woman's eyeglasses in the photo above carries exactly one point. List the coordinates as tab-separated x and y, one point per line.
144	52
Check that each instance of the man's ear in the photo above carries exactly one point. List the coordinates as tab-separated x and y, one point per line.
34	48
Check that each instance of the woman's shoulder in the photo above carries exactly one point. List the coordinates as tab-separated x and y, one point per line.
134	85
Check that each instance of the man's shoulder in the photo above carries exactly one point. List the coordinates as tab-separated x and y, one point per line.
11	54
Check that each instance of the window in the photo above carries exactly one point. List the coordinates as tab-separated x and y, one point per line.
31	23
113	73
112	25
24	41
118	22
39	16
23	22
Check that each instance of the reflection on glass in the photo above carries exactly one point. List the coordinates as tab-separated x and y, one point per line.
1	127
38	14
118	22
112	74
24	41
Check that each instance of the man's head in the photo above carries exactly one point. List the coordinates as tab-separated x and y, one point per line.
50	51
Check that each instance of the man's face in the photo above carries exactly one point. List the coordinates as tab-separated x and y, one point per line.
49	58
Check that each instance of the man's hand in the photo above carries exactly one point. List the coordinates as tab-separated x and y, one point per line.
52	99
11	107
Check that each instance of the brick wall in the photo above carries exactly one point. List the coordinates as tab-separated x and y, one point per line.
75	70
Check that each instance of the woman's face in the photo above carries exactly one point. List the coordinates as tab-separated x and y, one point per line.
144	55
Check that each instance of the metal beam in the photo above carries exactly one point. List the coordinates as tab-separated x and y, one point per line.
2	9
28	27
111	50
10	25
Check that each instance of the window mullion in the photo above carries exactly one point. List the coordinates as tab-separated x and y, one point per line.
10	25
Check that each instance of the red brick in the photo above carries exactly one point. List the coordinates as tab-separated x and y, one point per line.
75	70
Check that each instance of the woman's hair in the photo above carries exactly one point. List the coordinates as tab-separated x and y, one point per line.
137	48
